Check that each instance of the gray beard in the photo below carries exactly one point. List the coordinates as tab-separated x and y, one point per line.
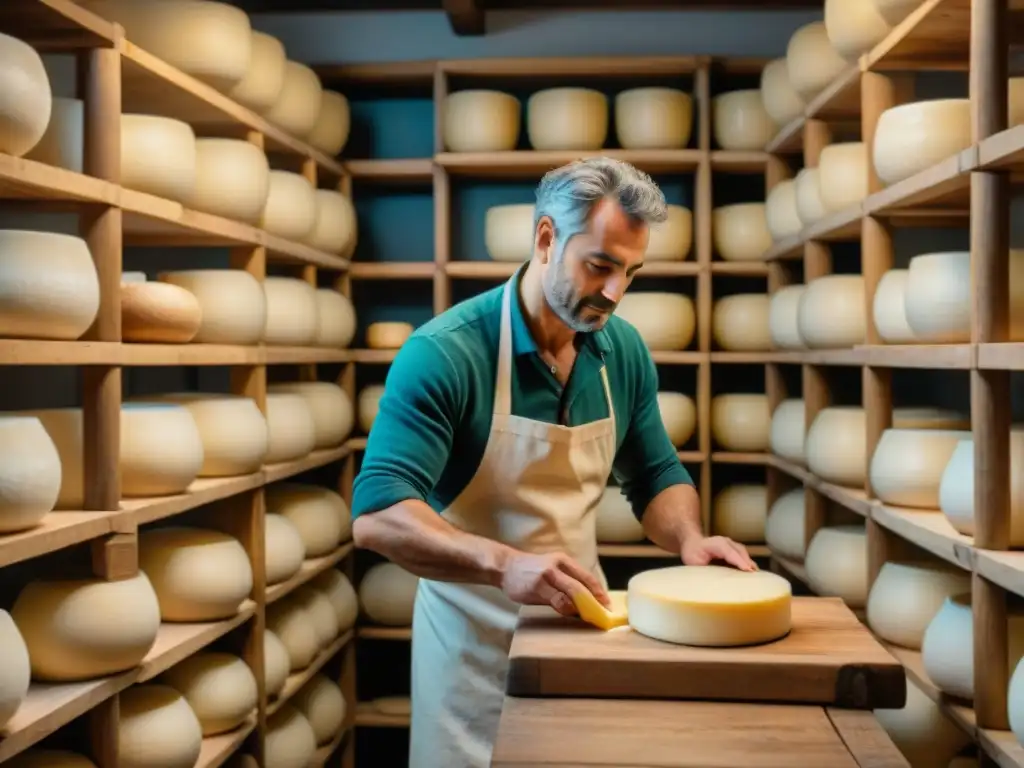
559	294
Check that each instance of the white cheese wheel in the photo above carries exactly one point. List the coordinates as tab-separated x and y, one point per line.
388	335
921	730
336	228
25	96
320	613
261	85
679	415
290	211
739	323
907	465
843	175
291	431
653	118
781	101
330	406
234	307
198	574
158	313
220	688
284	550
48	285
63	144
290	621
616	523
277	664
232	179
831	313
811	61
16	671
477	120
809	206
787	430
156	728
709	605
339	591
906	596
509	232
387	594
290	741
837	564
740	232
741	422
1015	702
333	122
784	526
780	210
895	11
956	489
854	27
320	514
889	308
48	758
298	104
567	119
665	321
291	312
739	512
369	403
158	156
783	317
86	628
910	138
322	703
336	319
671	239
740	120
30	475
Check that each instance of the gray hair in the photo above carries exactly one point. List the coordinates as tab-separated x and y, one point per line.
568	194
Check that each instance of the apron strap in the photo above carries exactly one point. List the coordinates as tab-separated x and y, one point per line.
503	377
608	396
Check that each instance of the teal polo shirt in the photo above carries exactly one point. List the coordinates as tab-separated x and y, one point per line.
434	418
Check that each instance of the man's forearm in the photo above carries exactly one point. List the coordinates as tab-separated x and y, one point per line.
672	517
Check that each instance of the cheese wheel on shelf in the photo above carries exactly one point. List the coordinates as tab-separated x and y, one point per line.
831	313
616	523
895	11
48	758
290	741
741	422
158	313
291	312
921	730
298	104
780	211
1015	702
81	629
739	323
387	594
907	465
320	514
509	232
671	239
25	96
889	308
740	232
198	574
369	403
787	430
329	405
339	591
291	431
906	596
784	526
335	319
232	179
854	27
158	157
679	415
220	688
709	605
263	80
567	119
811	61
911	138
285	549
665	321
322	703
843	175
783	317
781	101
48	285
956	489
837	564
388	335
277	664
290	621
809	206
740	120
156	728
333	122
478	120
63	144
16	672
739	512
290	211
653	118
320	613
336	228
30	475
234	307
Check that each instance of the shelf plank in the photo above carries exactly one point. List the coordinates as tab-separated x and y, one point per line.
391	171
51	26
308	571
216	750
298	679
531	164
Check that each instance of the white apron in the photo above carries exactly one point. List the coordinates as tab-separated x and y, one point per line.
536	489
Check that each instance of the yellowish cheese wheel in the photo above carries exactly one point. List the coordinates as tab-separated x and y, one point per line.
906	596
780	210
831	314
854	27
49	758
889	308
910	138
616	523
784	527
298	104
567	119
290	740
653	118
739	323
277	664
741	422
158	313
811	61
388	335
234	308
740	232
320	612
781	101
843	175
387	594
671	239
320	514
232	179
336	229
837	564
895	11
907	465
156	728
336	319
783	317
291	210
369	403
787	430
921	730
477	120
330	406
158	156
198	574
30	475
291	312
509	232
284	550
339	590
330	132
809	206
261	85
290	621
322	703
16	672
63	144
25	96
291	431
679	415
740	120
220	688
86	628
665	321
739	512
48	285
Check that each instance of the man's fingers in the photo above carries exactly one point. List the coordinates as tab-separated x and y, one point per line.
564	583
735	554
587	579
557	599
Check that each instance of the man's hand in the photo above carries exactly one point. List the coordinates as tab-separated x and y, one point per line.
550	579
702	550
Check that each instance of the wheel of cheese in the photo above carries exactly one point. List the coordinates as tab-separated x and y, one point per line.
285	549
843	175
290	741
811	61
665	321
87	628
910	138
781	101
48	285
784	526
336	319
741	422
889	308
653	118
156	728
477	120
16	672
291	210
921	730
320	613
276	663
48	758
837	564
616	523
63	144
291	312
388	335
220	688
509	232
679	415
787	430
330	406
336	228
234	308
387	594
369	402
1015	702
320	514
809	207
25	96
780	211
198	574
740	120
956	489
333	122
290	621
30	477
322	703
567	119
783	316
339	590
739	323
831	313
261	85
298	104
291	431
895	11
739	512
906	596
740	232
159	313
709	605
854	27
907	465
158	157
671	239
232	179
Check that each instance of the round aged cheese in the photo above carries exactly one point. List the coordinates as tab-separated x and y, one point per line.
787	431
30	473
671	239
234	308
369	403
837	564
298	104
1015	702
843	175
509	232
336	319
48	758
63	144
232	179
336	229
291	312
616	523
783	317
811	61
290	621
854	27
156	728
921	730
342	595
831	313
320	613
740	120
477	120
330	132
740	232
780	210
330	406
895	11
159	313
276	663
809	206
387	594
320	514
739	323
567	119
906	596
741	422
220	688
86	628
889	308
709	605
290	211
653	118
261	85
739	512
910	138
781	101
291	431
956	489
48	285
907	465
679	416
388	335
665	321
158	156
784	526
290	740
16	672
323	705
25	96
284	551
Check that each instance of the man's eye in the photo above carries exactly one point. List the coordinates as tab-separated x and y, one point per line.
598	268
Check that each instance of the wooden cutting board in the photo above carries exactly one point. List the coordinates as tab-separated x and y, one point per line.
829	658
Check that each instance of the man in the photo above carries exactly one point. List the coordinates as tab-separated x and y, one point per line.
501	422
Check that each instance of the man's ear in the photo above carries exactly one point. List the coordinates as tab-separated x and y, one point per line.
544	239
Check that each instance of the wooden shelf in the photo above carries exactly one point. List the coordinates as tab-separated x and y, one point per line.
298	679
531	164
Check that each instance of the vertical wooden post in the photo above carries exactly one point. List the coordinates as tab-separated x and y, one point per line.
702	208
775	385
442	202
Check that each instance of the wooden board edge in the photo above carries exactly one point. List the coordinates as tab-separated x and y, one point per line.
866	740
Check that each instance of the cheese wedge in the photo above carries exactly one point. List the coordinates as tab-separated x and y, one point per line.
592	612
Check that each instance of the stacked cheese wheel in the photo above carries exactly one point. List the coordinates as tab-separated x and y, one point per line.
387	594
